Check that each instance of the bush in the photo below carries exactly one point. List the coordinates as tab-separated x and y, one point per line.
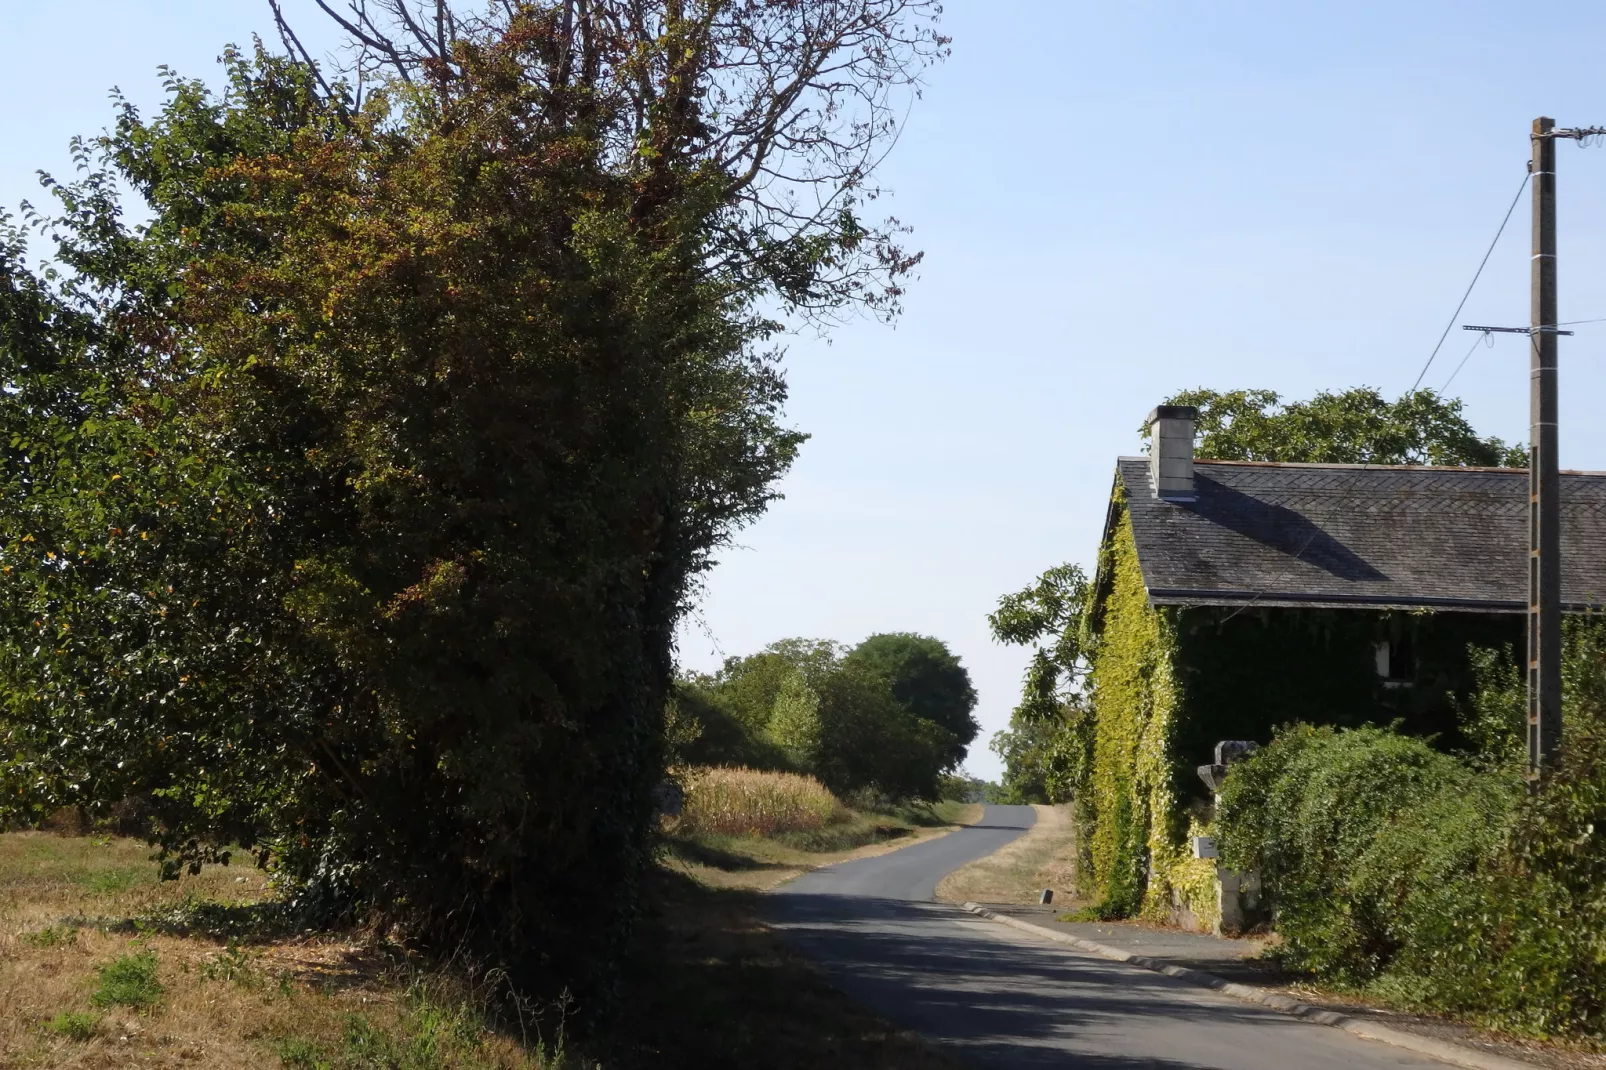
808	706
128	981
751	802
74	1025
1439	880
349	502
1353	833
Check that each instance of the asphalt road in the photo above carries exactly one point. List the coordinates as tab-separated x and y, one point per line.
1000	998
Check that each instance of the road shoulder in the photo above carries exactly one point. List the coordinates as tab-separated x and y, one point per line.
1160	951
1018	872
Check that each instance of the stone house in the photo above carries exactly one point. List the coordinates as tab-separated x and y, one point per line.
1233	597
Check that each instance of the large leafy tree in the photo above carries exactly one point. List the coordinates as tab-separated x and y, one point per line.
350	503
927	679
1357	426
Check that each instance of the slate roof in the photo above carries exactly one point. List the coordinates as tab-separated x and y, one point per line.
1359	535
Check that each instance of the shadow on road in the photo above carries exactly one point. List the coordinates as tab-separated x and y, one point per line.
944	974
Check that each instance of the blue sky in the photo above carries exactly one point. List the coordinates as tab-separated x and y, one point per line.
1116	201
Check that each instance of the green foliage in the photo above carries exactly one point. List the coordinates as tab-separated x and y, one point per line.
1046	747
235	965
128	981
926	679
795	723
957	788
435	1031
1345	827
1435	879
813	707
348	505
868	739
1356	426
1130	796
74	1025
52	936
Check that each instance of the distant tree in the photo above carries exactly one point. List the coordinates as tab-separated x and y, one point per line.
702	727
748	687
1357	426
795	726
927	679
1045	747
807	705
870	740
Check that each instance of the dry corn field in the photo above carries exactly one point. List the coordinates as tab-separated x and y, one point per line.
748	802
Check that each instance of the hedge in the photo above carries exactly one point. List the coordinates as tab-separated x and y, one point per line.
1437	880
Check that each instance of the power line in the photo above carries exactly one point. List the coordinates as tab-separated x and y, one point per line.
1476	342
1470	285
1486	335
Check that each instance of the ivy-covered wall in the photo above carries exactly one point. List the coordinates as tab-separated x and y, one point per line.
1132	818
1244	672
1168	683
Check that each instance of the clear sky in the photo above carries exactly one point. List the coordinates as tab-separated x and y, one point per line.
1117	201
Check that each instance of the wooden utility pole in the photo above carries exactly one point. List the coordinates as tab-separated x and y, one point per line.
1544	475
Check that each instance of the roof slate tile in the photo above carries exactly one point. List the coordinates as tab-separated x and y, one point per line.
1346	535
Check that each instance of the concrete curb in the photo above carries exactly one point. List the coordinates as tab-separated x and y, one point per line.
1457	1054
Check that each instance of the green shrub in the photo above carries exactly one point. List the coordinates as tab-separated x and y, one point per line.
1438	880
128	981
750	802
74	1025
1354	833
51	936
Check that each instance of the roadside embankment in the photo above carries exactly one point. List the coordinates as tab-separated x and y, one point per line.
1045	857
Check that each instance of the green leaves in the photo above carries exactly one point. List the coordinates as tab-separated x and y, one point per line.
1356	426
1047	735
876	717
1441	879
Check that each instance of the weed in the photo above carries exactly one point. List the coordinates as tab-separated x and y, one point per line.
52	936
298	1053
129	981
111	881
74	1025
234	964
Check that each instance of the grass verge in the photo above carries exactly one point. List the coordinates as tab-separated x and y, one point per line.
1045	857
101	965
758	863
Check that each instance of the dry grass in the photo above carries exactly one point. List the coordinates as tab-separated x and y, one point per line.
749	802
712	987
70	906
1045	857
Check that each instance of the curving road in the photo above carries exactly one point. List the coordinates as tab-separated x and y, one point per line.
1000	998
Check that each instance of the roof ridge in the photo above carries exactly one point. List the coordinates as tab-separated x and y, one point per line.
1372	467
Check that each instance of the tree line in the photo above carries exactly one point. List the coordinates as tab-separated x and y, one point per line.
889	717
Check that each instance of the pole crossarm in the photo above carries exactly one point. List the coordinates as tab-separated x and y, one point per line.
1576	133
1514	330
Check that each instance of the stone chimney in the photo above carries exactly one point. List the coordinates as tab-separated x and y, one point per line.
1171	452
